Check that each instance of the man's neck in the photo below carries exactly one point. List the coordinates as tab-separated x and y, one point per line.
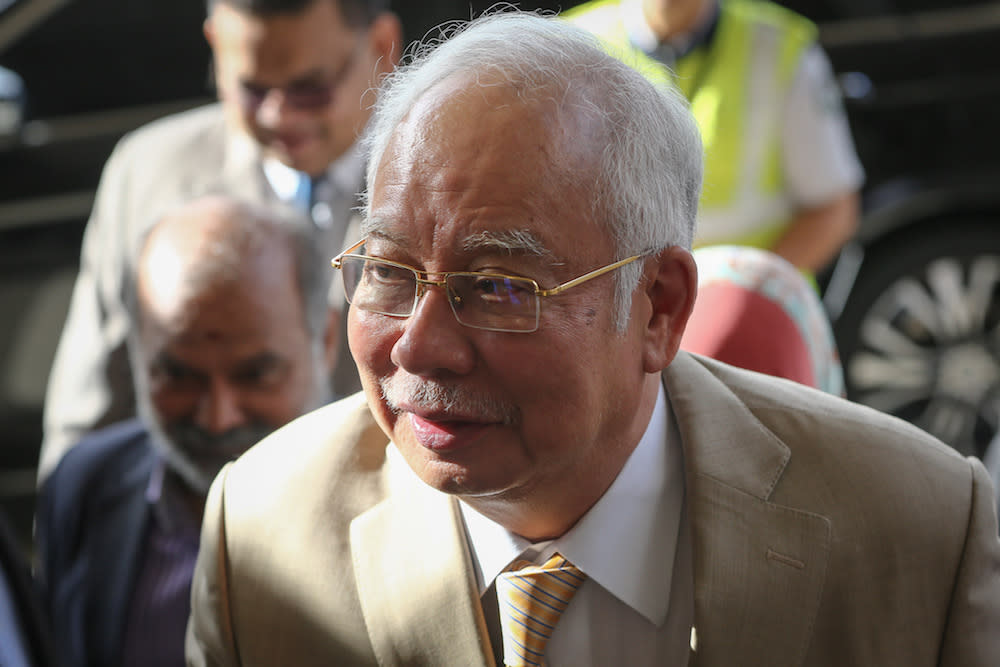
667	24
552	509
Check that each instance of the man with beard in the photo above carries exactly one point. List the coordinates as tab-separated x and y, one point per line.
232	340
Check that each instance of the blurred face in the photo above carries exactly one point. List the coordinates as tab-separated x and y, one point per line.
296	82
490	415
222	369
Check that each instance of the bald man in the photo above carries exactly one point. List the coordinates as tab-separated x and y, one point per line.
232	340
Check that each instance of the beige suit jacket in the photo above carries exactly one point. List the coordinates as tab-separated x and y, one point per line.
823	533
151	170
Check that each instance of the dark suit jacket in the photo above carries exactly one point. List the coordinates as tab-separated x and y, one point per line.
92	519
17	587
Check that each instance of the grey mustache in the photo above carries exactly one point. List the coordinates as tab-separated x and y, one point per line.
433	396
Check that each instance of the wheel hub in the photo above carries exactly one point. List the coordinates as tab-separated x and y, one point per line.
967	371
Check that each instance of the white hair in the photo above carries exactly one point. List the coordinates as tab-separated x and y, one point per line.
648	175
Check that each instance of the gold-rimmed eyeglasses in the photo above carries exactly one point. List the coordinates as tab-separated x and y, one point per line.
490	301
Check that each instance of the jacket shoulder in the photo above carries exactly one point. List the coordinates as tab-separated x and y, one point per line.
182	136
101	456
336	450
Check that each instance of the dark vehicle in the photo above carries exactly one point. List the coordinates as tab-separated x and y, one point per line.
914	298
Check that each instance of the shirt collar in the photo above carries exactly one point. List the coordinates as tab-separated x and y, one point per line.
345	175
632	559
168	509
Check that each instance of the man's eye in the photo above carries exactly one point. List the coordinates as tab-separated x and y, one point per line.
494	288
258	374
386	274
168	370
254	91
487	286
310	96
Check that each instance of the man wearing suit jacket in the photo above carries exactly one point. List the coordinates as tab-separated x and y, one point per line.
293	78
517	302
232	341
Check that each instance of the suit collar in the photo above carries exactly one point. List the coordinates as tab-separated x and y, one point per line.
242	173
415	579
756	564
723	440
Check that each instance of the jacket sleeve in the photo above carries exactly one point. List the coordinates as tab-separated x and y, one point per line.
210	641
90	384
972	633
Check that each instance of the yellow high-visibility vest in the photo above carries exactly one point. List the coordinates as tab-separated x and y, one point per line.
736	86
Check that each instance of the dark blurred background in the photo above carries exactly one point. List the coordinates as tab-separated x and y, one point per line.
914	298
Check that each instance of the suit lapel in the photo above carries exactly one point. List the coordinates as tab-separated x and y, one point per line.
756	564
242	172
414	576
118	552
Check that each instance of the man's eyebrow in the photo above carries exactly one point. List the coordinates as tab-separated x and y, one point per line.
376	229
510	241
309	78
263	360
312	77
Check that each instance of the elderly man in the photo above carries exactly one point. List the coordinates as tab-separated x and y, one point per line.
232	341
528	431
293	78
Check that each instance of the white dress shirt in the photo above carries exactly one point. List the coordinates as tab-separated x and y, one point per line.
333	204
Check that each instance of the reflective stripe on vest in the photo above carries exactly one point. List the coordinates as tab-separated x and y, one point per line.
738	104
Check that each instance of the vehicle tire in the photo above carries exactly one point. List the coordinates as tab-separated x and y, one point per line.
919	334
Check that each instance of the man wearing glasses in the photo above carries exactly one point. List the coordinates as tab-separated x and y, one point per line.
294	80
534	474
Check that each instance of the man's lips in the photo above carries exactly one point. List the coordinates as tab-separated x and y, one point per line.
442	434
290	142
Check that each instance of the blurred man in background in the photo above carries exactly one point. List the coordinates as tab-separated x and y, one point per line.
232	339
292	77
781	171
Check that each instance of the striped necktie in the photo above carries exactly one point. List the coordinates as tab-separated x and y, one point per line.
531	600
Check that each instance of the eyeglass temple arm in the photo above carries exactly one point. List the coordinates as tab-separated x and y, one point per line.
587	276
339	259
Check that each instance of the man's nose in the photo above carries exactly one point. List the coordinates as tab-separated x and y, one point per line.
433	340
219	409
273	109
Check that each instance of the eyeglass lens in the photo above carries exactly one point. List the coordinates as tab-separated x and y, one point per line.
485	301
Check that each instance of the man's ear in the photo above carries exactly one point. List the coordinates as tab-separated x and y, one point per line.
331	339
671	285
386	35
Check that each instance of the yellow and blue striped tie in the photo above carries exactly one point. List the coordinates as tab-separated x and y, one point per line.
531	600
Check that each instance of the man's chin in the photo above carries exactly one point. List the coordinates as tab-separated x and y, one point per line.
305	157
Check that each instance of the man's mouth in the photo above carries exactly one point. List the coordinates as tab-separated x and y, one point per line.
446	434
